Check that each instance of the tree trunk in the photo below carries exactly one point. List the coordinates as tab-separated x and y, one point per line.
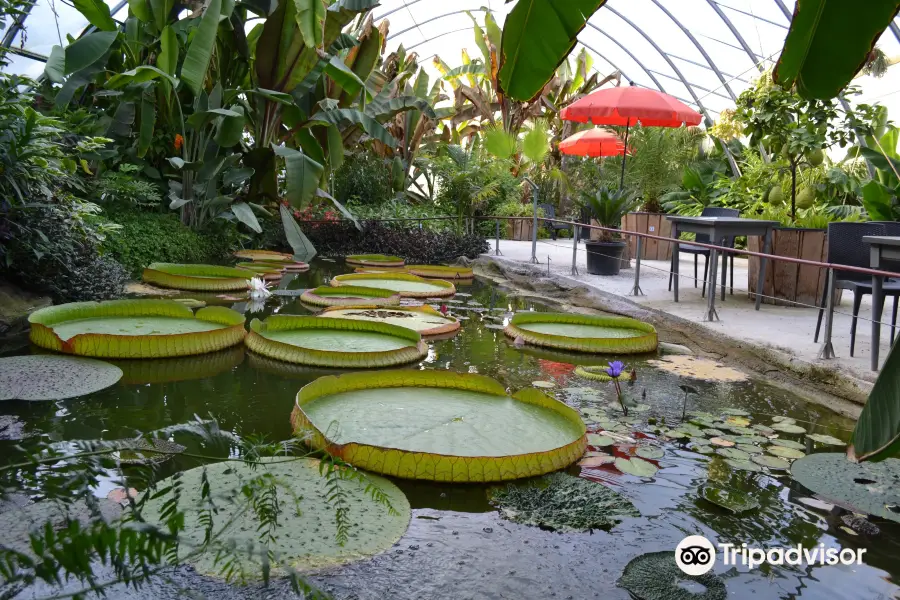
793	191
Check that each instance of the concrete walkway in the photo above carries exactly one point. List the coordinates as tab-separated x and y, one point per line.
788	329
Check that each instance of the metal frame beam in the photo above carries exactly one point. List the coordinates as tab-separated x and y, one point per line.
751	15
659	86
694	85
708	68
435	18
737	35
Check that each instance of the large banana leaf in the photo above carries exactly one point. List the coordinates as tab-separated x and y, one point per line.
311	21
302	247
199	53
829	42
85	51
167	61
302	176
537	36
877	432
97	14
342	116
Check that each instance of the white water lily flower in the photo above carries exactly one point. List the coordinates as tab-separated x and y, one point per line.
258	290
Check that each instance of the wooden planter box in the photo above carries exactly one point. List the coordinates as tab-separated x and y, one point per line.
654	224
787	283
520	229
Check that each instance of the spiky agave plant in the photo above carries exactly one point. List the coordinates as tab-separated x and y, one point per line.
609	207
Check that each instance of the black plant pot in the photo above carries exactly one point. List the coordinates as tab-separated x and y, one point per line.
604	258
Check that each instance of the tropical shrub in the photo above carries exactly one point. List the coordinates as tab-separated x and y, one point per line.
363	179
124	187
146	238
399	208
56	249
609	207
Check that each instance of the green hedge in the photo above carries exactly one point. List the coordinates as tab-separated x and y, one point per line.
148	237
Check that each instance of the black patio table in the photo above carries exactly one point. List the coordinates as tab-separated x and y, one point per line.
881	248
718	229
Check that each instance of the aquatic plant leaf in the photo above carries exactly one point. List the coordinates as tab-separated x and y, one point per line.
730	499
377	260
733	453
265	255
764	429
595	439
737	421
562	503
441	272
656	576
583	333
438	425
771	462
424	319
350	296
306	538
782	419
743	465
650	452
636	466
135	329
201	278
735	412
872	488
824	439
788	428
596	460
546	385
787	443
49	377
340	343
722	442
785	452
749	448
597	373
408	286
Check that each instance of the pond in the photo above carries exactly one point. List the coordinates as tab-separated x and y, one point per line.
458	545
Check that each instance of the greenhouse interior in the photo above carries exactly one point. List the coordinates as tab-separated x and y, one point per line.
363	300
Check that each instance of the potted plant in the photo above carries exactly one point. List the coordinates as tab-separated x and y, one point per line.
604	255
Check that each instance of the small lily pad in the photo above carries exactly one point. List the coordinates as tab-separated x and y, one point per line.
749	448
721	442
824	439
650	452
743	465
787	444
733	453
594	439
741	430
750	439
54	377
714	432
764	429
735	412
772	462
598	460
732	500
656	576
785	452
543	384
699	449
780	419
788	428
636	466
737	421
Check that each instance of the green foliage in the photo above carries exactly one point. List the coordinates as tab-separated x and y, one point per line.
363	179
125	188
699	189
160	237
610	206
515	208
56	249
399	208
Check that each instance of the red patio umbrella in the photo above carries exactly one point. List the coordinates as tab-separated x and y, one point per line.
630	105
593	142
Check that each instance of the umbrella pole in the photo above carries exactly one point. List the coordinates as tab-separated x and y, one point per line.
624	156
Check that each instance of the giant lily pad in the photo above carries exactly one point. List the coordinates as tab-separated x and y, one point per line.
350	296
583	333
656	576
264	255
135	329
49	377
408	286
561	502
198	277
696	367
438	425
597	373
341	343
306	536
867	487
730	499
423	319
374	260
440	272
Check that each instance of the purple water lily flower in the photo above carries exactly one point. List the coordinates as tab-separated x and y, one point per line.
615	369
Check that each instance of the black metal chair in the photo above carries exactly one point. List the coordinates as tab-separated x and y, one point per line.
846	247
552	226
697	251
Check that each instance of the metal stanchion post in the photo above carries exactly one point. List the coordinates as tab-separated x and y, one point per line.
827	350
534	221
497	243
636	290
575	252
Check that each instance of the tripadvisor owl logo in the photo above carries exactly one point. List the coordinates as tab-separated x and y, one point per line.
695	555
